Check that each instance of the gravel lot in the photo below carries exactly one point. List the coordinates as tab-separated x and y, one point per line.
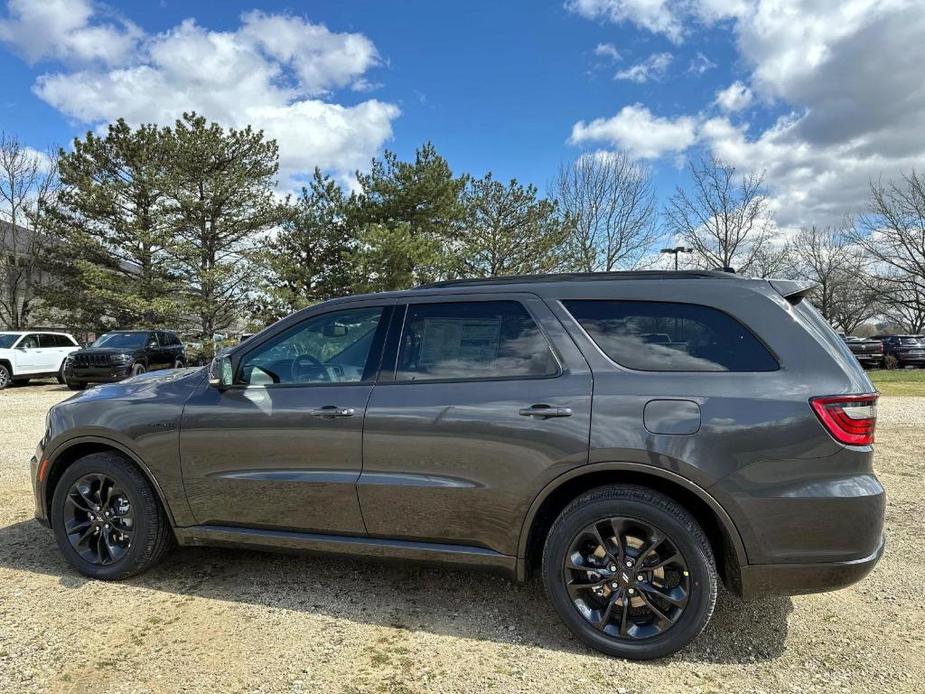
242	621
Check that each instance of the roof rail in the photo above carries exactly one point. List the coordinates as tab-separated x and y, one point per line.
583	277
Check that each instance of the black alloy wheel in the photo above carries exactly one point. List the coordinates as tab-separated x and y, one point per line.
630	572
99	520
5	378
108	520
627	578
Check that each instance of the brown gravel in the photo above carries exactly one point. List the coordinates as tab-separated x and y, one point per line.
242	621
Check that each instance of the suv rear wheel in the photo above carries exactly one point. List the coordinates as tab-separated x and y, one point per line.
138	369
630	572
107	519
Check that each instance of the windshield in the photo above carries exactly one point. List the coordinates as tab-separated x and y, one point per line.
129	340
7	340
909	340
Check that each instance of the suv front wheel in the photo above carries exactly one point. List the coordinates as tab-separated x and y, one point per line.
107	520
630	572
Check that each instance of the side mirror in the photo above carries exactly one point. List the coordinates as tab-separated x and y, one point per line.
220	373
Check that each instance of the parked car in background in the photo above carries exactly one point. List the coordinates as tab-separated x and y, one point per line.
123	353
868	351
908	350
32	354
457	423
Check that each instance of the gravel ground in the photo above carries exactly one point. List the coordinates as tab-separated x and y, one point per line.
243	621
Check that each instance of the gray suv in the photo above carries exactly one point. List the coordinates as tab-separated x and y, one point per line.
633	438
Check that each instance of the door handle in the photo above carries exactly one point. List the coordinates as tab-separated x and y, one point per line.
331	411
545	411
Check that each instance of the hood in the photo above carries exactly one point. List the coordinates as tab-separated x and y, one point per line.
146	385
108	350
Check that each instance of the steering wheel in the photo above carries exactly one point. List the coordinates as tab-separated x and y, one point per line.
305	367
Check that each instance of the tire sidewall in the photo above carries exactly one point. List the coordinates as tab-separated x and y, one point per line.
6	377
703	586
101	464
138	369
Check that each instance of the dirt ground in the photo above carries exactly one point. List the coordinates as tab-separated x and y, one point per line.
230	621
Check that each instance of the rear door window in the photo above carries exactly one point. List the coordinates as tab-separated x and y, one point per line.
473	340
665	336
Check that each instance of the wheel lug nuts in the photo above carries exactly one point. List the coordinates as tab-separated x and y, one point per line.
630	591
613	568
614	585
640	577
629	564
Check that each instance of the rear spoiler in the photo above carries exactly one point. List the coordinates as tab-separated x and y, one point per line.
793	290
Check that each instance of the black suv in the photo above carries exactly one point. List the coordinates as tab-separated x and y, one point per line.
908	350
123	353
633	438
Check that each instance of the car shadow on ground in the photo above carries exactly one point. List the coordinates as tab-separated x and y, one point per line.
472	605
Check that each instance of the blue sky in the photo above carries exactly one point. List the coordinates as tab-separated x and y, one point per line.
510	87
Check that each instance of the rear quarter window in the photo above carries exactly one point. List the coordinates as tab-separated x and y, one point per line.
666	336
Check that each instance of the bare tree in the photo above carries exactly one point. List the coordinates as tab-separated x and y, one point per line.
892	233
610	201
845	294
724	218
28	180
903	303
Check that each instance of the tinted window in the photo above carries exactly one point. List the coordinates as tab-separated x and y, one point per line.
126	340
29	342
653	336
7	340
47	340
487	339
330	348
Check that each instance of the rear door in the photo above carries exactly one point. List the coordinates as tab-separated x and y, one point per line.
482	400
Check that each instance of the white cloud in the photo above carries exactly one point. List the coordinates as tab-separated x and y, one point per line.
700	64
652	68
654	15
65	29
607	50
637	131
845	73
736	97
274	72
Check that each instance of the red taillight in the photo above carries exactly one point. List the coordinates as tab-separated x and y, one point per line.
850	419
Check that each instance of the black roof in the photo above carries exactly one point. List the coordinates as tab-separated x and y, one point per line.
584	277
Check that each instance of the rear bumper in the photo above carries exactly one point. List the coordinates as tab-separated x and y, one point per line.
795	579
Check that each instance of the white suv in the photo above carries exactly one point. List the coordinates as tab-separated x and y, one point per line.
25	355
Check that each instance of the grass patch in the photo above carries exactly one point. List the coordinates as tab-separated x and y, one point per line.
899	381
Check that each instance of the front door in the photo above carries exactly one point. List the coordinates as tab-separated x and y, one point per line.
29	356
489	400
282	447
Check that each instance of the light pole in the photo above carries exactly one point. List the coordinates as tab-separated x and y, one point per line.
675	251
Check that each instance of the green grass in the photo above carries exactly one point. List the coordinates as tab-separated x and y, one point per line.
899	381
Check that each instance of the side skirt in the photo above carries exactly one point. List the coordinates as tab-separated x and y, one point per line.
365	547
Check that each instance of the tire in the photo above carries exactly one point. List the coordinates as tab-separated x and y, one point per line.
71	385
5	376
60	375
138	369
151	535
633	508
178	364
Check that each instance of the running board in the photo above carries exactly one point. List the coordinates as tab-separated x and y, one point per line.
288	541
